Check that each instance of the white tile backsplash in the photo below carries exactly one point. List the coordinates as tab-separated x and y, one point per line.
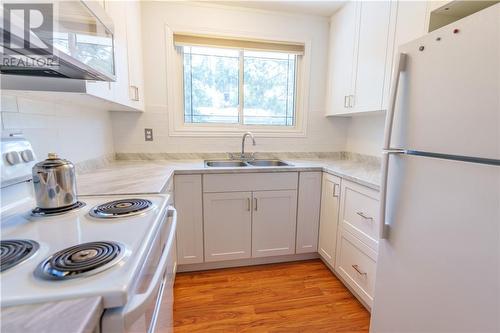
75	132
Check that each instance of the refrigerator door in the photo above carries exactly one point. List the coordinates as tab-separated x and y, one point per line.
448	94
438	269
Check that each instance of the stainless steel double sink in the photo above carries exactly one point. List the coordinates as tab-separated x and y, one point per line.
243	164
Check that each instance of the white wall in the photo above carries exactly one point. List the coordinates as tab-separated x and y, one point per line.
74	132
323	134
365	134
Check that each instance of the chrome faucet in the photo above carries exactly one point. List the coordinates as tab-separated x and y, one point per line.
243	143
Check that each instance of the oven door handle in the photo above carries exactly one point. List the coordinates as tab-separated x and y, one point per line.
139	303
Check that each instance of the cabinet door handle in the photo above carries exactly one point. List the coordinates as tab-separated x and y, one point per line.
366	217
248	204
346	99
356	268
335	193
351	101
255	204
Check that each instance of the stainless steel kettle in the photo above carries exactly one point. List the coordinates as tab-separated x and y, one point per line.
55	183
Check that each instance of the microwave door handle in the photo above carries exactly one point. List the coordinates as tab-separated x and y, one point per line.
139	303
387	151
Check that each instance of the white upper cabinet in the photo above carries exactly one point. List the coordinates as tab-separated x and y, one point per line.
369	73
361	83
341	58
126	92
134	53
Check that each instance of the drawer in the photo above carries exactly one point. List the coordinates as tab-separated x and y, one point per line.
359	212
244	182
356	263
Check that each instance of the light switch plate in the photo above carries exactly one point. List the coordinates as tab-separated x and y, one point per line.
148	134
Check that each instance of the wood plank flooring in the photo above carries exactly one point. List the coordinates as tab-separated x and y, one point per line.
289	297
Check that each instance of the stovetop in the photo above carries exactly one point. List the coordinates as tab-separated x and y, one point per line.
130	237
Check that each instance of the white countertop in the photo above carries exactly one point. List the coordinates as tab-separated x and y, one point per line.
146	177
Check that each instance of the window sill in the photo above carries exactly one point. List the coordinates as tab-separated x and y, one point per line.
220	131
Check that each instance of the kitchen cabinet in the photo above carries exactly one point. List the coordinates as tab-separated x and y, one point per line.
308	210
126	93
341	58
408	22
330	195
228	225
249	215
361	84
371	50
273	223
134	55
357	240
359	207
356	265
188	202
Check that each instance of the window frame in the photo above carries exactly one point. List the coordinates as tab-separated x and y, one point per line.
175	93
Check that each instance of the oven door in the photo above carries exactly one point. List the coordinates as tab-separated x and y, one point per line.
152	306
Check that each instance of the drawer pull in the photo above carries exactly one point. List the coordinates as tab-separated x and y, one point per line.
366	217
356	268
248	204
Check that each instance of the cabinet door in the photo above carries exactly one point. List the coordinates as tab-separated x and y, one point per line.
134	52
228	225
117	11
328	224
308	212
188	202
274	223
341	58
374	18
408	22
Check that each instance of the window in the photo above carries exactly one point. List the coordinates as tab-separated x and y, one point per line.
240	82
224	86
217	81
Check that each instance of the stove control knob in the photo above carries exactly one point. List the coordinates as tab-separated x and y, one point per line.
27	155
12	157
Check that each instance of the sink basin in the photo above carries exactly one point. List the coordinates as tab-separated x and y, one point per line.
264	163
225	164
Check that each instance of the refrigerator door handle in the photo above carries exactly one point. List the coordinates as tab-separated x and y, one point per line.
401	66
383	227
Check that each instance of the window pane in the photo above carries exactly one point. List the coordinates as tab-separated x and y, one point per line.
269	88
211	77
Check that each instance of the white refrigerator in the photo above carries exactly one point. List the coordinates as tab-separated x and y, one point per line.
438	268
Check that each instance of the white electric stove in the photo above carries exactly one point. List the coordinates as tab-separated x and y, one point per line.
121	248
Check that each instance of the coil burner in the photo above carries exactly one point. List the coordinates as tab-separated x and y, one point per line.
121	208
15	251
81	260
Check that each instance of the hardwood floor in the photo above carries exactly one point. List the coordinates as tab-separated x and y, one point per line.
289	297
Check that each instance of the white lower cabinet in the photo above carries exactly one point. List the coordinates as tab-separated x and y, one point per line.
308	210
188	202
330	199
357	243
273	223
356	263
228	225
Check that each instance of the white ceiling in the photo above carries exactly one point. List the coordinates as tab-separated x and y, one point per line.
321	8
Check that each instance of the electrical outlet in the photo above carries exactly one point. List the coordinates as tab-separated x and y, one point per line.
148	134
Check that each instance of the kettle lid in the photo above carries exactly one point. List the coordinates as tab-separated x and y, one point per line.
53	161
